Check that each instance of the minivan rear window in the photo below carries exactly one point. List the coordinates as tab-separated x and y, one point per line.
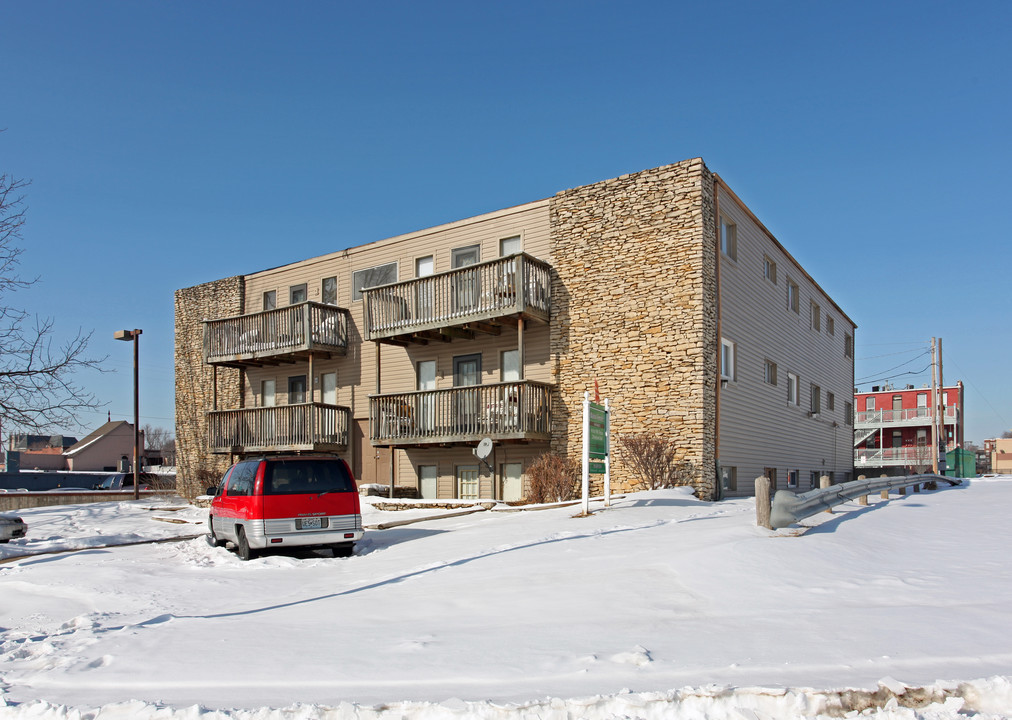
299	477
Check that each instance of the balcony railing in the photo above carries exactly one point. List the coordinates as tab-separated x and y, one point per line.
502	411
882	457
514	286
268	337
283	428
907	416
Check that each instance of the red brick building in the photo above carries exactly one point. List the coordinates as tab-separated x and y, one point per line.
892	428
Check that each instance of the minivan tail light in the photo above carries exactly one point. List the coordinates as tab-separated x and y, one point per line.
349	535
277	540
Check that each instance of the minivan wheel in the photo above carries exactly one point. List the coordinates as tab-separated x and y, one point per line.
343	549
244	551
213	539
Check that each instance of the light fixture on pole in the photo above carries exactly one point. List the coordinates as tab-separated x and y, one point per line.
135	336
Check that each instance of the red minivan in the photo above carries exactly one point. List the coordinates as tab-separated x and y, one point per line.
300	501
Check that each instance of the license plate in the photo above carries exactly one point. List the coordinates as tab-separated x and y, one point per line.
311	523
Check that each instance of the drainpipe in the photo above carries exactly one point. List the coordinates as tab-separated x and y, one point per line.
719	489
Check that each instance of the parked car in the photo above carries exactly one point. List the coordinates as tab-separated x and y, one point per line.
296	501
12	527
123	481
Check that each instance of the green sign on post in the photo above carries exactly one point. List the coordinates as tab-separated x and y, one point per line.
598	440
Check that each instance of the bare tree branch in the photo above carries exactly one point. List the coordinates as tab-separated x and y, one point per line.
37	386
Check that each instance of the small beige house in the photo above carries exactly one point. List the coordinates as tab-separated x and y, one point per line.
402	354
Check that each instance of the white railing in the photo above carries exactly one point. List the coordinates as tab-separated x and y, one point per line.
910	416
880	457
515	284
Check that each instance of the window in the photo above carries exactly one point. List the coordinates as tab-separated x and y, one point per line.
770	372
848	345
428	476
328	291
462	257
830	401
729	238
727	359
793	295
816	404
511	246
729	476
792	478
270	300
296	389
793	389
371	277
813	479
297	294
830	325
816	319
770	269
328	388
922	404
848	413
869	404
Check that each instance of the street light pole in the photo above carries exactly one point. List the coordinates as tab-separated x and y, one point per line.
135	336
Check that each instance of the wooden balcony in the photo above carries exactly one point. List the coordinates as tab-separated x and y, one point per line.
510	411
313	427
278	336
460	303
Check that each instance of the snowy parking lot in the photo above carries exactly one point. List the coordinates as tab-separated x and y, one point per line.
659	606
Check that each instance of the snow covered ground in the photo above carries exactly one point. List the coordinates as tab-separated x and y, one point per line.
658	607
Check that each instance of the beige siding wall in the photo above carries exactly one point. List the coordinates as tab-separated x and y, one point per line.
356	373
758	427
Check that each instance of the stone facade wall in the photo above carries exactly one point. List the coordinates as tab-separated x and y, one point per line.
634	308
195	380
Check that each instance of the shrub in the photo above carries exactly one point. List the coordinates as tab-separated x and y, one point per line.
654	461
552	478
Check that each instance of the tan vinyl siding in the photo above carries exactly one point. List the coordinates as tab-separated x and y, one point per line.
758	428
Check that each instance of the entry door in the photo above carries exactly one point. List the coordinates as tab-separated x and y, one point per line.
467	482
467	372
467	287
424	267
328	388
512	482
297	395
426	403
427	477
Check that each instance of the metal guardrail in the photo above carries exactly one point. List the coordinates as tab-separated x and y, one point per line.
790	507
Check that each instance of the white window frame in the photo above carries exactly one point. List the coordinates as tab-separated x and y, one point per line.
770	372
848	345
815	399
792	478
830	402
728	359
513	240
728	238
793	389
770	269
793	296
830	325
816	319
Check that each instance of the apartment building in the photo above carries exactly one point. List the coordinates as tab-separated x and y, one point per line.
1001	455
402	354
892	429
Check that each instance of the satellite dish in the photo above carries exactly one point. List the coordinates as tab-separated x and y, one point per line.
484	448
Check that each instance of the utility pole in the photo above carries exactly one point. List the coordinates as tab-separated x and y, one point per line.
940	450
934	411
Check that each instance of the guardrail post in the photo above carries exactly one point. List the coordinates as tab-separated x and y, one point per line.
917	487
885	493
902	491
763	503
863	500
823	484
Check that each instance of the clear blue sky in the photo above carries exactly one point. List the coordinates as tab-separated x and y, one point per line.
173	143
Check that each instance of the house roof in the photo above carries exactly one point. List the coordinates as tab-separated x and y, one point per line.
97	435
